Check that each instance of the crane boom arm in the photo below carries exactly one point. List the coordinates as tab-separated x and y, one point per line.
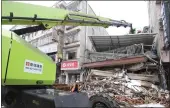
17	13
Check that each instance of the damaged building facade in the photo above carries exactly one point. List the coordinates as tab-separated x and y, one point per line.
76	43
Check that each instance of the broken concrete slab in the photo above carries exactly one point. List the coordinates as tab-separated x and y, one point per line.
143	77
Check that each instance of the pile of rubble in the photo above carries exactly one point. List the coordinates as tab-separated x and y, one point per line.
131	75
125	89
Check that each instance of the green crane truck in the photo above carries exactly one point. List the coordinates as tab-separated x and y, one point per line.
27	73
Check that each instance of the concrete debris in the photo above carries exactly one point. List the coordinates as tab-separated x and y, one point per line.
132	49
64	87
125	89
131	75
136	67
150	54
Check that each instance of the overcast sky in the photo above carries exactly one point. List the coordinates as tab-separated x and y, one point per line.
135	12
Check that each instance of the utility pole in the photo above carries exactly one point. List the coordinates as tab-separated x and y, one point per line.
59	55
86	32
60	34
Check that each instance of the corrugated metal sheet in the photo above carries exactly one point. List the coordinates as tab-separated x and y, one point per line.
105	43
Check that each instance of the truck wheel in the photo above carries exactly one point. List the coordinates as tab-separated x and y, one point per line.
10	98
103	101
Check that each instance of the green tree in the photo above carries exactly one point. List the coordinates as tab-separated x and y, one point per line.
132	31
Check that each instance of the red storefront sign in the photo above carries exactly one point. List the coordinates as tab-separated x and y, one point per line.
69	65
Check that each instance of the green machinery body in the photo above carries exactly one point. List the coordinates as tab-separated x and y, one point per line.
23	64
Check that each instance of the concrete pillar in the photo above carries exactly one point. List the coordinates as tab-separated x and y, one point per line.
70	78
67	78
75	77
60	79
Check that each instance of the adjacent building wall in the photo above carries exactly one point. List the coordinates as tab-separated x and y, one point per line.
155	21
91	30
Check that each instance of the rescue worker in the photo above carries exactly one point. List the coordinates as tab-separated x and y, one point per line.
75	87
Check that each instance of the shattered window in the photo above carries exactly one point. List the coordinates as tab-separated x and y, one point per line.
71	55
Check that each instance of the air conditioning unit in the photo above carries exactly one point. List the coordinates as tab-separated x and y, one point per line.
160	24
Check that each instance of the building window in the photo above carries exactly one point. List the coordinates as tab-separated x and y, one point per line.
71	55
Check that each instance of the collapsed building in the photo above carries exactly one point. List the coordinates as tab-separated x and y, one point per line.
127	69
132	69
126	73
133	52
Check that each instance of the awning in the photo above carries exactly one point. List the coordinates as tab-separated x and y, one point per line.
105	43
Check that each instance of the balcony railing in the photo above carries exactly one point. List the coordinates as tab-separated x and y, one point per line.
43	40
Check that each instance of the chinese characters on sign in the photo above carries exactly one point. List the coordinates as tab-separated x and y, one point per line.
69	65
33	67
